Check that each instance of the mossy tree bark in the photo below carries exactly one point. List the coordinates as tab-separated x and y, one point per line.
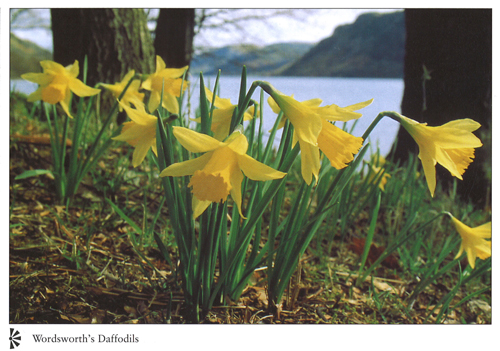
174	36
455	46
114	41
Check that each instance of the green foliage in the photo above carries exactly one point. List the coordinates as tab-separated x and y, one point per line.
218	252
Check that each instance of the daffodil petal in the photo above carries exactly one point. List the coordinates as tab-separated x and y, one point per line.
471	256
307	125
186	167
359	105
73	70
483	231
309	161
274	106
195	142
172	73
219	102
140	151
238	143
139	115
38	78
451	138
65	103
36	95
81	89
236	179
199	206
428	164
256	170
154	100
160	64
52	66
170	103
312	102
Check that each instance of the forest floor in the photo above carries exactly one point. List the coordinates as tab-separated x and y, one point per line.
79	265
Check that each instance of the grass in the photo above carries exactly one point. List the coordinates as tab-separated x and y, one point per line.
98	261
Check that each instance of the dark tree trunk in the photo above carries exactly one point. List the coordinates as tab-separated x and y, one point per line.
456	47
114	40
174	36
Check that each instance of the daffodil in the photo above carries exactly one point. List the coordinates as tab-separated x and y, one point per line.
219	171
168	79
377	170
222	115
140	132
56	84
451	145
473	241
132	95
314	131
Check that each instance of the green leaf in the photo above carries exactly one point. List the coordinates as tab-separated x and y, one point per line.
125	217
33	173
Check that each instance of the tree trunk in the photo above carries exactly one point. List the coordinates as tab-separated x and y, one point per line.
456	47
114	41
174	36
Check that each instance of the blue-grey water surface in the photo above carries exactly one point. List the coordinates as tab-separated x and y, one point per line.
387	95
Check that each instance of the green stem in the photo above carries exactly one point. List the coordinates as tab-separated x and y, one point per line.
369	238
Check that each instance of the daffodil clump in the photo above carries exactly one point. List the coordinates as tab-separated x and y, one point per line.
56	86
218	185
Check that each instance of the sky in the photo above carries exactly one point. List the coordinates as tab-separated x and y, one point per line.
303	25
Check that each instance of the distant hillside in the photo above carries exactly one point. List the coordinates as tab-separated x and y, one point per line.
373	46
267	60
25	57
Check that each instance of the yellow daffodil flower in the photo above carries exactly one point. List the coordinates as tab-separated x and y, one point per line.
314	132
56	84
451	145
219	171
473	241
375	172
140	132
169	79
132	95
222	115
376	169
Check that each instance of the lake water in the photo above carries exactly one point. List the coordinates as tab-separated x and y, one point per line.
387	95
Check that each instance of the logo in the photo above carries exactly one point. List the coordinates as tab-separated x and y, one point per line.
15	338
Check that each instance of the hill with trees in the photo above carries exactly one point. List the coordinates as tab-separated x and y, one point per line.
372	46
266	60
25	56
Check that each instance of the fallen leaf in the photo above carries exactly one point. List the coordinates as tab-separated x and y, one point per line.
358	246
